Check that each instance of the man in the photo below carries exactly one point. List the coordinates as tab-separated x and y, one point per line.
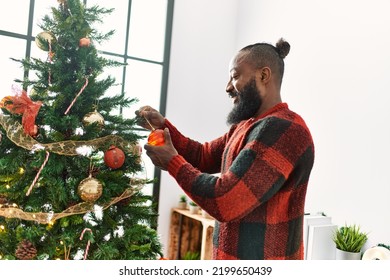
264	162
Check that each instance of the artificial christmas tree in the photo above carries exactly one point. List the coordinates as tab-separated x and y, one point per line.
58	198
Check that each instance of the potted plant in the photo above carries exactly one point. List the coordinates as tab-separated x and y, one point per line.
182	202
194	208
192	256
349	241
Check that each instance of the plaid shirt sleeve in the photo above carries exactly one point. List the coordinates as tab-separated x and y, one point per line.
268	153
205	157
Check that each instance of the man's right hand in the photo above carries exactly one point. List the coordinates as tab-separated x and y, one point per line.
149	118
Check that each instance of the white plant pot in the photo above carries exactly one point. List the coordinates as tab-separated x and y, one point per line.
182	205
194	209
343	255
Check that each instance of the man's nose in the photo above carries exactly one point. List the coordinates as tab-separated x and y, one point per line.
229	87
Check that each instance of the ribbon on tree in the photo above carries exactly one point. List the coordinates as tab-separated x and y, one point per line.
88	242
9	211
14	132
21	104
77	96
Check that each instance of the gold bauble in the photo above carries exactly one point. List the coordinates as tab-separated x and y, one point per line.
45	36
93	117
90	189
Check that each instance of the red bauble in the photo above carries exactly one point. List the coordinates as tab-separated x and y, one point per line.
114	157
156	138
85	42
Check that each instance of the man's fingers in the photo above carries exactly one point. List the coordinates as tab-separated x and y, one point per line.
167	137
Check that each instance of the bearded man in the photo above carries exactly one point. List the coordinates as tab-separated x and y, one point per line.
264	162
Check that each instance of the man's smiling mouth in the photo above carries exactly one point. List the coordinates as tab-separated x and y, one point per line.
233	96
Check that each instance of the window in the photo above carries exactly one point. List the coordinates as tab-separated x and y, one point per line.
142	40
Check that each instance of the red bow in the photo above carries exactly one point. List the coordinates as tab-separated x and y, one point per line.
21	104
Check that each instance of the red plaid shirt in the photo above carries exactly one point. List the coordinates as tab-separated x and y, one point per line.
258	199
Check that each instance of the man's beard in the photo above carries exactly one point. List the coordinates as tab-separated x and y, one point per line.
248	104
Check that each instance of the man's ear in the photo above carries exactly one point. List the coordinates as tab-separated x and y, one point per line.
264	74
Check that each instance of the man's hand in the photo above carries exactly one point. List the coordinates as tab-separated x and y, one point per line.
162	155
147	117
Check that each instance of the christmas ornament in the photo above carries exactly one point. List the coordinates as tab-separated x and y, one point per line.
77	96
39	172
156	138
51	55
85	42
93	117
88	243
44	40
21	104
25	250
90	189
114	157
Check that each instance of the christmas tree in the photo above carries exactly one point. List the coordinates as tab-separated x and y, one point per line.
68	165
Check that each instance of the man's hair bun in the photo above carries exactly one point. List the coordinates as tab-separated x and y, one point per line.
283	48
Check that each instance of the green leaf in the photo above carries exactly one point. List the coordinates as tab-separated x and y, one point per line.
350	238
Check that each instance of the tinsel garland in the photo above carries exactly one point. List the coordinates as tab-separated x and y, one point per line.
81	208
15	133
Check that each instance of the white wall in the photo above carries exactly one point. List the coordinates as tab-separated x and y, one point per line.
337	78
203	42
